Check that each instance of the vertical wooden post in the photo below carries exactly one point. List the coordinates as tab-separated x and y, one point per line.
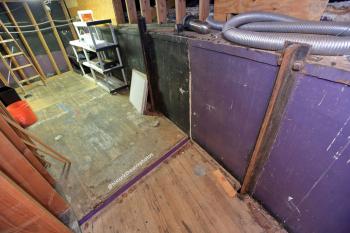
57	36
13	163
131	10
66	15
161	11
282	89
41	37
24	41
146	10
203	9
118	11
20	212
180	8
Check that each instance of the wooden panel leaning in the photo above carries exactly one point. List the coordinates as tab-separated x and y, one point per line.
29	215
145	8
204	9
14	165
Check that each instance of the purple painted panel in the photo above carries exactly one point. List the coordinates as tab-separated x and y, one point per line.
229	97
305	181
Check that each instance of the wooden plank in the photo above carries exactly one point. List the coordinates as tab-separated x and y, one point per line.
145	7
204	9
14	164
67	16
21	213
161	11
303	9
180	10
57	36
225	184
118	11
282	89
41	37
24	41
131	10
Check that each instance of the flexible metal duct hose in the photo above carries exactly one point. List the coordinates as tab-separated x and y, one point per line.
281	26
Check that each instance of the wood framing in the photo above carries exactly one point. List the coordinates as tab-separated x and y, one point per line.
131	10
293	54
57	36
41	37
303	9
161	11
145	8
118	11
24	41
180	8
203	9
66	15
20	212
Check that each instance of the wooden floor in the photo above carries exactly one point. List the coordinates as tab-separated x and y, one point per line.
103	135
181	195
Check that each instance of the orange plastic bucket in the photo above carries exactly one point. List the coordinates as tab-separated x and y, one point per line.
22	113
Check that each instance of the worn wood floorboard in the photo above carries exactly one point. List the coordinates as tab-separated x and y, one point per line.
103	136
182	195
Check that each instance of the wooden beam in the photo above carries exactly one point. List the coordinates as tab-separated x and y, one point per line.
21	213
12	136
203	9
67	16
161	11
24	41
118	11
14	164
131	10
57	36
41	37
146	10
180	9
282	89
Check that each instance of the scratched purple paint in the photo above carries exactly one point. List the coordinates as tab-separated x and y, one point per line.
305	182
231	88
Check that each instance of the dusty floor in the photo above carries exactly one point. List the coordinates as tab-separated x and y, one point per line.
103	136
182	195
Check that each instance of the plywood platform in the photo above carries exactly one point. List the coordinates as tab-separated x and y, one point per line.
182	195
102	134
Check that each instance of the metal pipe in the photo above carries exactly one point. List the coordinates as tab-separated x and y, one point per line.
193	24
277	29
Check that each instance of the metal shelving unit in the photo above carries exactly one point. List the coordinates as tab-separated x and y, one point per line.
91	40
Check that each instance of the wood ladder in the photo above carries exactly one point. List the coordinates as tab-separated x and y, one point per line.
14	65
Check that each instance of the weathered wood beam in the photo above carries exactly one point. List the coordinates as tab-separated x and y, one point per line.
20	212
41	37
131	10
67	16
57	36
180	9
161	11
118	11
146	10
203	9
293	55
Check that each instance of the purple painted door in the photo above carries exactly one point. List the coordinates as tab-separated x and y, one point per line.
230	90
305	181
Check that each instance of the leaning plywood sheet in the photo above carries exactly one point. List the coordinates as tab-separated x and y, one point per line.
303	9
138	91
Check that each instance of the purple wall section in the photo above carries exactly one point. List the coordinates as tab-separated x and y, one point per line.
229	95
305	182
